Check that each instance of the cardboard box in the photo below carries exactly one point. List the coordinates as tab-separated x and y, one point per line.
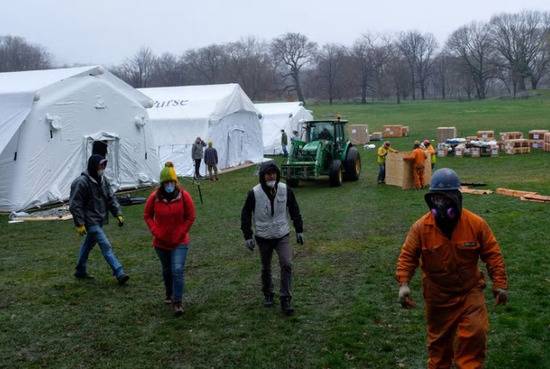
359	134
400	172
537	134
395	130
546	147
445	133
547	137
475	152
486	135
504	136
376	136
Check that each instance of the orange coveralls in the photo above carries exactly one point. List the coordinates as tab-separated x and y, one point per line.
453	286
418	158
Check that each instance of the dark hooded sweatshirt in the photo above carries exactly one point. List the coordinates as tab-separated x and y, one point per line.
250	203
91	197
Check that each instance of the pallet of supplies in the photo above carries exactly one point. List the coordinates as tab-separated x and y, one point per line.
505	136
536	144
546	142
376	136
486	135
400	172
393	130
445	133
359	134
537	134
405	131
442	149
519	146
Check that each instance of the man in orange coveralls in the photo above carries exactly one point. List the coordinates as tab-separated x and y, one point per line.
449	241
418	158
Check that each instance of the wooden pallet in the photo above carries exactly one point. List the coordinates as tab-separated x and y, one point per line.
472	191
514	193
536	198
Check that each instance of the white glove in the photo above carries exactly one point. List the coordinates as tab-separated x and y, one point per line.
405	296
250	243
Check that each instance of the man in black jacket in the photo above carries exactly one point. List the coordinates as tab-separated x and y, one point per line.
266	206
91	197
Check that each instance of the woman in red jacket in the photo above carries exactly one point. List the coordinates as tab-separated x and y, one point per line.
169	214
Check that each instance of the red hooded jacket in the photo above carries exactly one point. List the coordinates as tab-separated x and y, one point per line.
169	221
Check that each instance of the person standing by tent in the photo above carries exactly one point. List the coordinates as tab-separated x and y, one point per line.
295	136
90	199
428	147
266	206
449	241
381	159
417	157
169	214
211	161
196	154
284	142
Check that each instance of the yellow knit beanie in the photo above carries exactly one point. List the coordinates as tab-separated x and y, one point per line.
168	173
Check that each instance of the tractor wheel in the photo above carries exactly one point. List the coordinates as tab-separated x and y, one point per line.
352	165
292	182
335	173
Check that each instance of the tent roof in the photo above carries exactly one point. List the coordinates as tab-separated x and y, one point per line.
35	80
197	102
279	108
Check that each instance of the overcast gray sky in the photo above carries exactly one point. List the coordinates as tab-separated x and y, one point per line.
108	31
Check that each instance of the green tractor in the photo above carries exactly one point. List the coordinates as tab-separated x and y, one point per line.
326	151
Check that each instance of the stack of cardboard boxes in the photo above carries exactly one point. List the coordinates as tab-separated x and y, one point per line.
486	135
517	146
395	131
547	142
536	138
445	133
359	134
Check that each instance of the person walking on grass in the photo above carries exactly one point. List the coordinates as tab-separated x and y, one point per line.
448	242
211	161
381	159
266	206
169	214
90	200
284	142
197	154
428	147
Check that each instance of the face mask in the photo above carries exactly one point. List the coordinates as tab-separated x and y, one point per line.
271	184
100	172
169	187
443	209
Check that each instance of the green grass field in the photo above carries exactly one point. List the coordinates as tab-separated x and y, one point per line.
345	295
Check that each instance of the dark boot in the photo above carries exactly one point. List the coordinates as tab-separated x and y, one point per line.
122	279
286	307
178	308
268	300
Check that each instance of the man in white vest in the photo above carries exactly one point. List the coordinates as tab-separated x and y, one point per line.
267	206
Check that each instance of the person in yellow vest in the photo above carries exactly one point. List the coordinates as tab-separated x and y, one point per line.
382	153
429	149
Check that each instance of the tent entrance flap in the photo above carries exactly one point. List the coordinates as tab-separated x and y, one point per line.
235	147
108	146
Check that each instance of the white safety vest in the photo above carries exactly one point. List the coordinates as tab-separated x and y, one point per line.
271	226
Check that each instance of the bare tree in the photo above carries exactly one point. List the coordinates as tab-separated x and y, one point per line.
361	53
520	40
16	54
398	71
137	70
418	49
168	70
472	44
294	51
208	64
330	64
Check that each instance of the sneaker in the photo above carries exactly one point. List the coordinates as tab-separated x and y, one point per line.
268	300
168	300
122	279
286	307
178	308
83	275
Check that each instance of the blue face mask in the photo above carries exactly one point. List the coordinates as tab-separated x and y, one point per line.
169	187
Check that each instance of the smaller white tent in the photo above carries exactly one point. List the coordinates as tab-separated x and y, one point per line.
222	114
51	119
277	116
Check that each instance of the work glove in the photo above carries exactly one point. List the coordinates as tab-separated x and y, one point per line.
405	297
120	220
300	238
250	243
81	230
501	296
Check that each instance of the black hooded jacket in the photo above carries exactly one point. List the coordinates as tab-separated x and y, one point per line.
250	203
92	197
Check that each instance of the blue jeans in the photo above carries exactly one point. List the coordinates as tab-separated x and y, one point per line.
95	234
173	271
285	152
381	173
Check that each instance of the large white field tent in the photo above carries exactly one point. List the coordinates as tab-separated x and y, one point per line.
222	114
50	121
277	116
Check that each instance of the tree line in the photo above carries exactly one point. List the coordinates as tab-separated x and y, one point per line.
507	55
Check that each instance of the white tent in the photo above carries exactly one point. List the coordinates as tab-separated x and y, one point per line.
222	114
49	121
277	116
